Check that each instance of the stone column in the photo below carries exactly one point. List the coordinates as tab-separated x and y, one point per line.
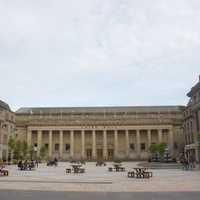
39	141
71	144
61	144
138	143
82	144
159	135
29	137
148	138
93	144
50	143
115	144
105	151
127	143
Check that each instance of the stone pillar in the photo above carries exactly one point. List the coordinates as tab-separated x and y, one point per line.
148	138
93	144
29	137
138	142
105	151
61	144
39	141
115	144
50	143
82	144
159	135
71	144
127	143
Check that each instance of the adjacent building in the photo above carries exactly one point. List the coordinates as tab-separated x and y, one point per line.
191	122
101	132
7	128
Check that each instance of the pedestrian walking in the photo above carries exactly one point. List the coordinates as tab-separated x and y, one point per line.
191	162
36	162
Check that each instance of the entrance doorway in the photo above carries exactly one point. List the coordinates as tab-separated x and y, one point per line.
99	153
89	153
110	153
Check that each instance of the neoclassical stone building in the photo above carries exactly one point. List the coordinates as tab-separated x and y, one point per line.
7	128
100	132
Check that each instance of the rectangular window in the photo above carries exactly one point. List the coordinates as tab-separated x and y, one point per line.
185	138
175	145
56	146
47	146
132	146
67	147
188	138
192	137
35	145
142	145
195	99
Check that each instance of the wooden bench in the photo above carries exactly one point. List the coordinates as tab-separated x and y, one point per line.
150	174
131	174
110	169
5	172
141	175
68	170
120	169
100	163
81	170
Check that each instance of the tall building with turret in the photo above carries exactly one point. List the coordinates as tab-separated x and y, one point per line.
191	122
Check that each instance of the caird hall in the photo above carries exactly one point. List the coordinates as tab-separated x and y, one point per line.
100	132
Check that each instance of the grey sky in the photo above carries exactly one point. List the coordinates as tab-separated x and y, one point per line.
98	52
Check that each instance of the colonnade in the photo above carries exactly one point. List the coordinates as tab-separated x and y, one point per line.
129	136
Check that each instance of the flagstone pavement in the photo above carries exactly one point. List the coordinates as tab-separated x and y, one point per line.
99	179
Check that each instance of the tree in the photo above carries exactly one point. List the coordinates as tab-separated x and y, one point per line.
161	148
31	151
43	151
11	144
24	148
17	149
153	148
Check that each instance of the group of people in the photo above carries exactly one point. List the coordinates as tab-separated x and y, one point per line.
25	165
187	163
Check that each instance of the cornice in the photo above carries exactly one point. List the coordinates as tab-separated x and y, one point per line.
101	122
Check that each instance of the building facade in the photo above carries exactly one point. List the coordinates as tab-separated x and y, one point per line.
7	128
101	132
191	122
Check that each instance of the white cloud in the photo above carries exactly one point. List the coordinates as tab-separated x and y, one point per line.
98	52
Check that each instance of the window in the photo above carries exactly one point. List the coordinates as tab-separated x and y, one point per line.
185	138
7	116
67	147
56	146
132	146
188	138
195	99
192	137
46	145
35	145
142	145
175	145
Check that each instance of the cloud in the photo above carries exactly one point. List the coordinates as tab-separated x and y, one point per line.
98	52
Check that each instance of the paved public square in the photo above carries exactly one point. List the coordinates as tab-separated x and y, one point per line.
98	180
